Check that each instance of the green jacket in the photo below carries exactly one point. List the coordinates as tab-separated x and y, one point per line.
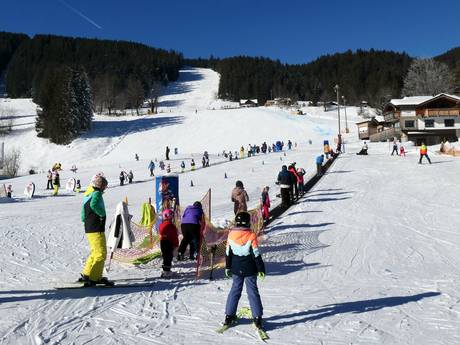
93	210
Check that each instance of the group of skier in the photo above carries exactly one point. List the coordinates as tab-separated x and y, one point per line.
291	182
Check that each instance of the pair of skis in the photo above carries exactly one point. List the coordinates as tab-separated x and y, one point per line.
244	313
117	283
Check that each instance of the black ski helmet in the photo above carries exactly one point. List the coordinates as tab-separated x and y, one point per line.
243	219
239	184
197	204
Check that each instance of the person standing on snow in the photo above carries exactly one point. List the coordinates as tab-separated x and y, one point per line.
285	182
296	178
93	216
167	153
182	166
424	153
265	199
192	164
300	181
49	177
244	264
239	198
151	168
395	148
168	241
130	176
241	152
319	165
192	222
122	178
56	182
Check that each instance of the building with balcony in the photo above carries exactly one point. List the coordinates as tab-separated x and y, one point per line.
428	119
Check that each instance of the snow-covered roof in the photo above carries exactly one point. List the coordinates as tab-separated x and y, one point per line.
416	100
413	100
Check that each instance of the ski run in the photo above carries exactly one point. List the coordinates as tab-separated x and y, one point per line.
370	255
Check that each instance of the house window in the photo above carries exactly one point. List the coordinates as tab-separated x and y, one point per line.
429	123
449	123
409	123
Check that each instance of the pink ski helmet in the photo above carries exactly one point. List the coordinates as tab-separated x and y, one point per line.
167	214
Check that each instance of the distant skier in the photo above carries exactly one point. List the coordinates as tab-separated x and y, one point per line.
363	150
239	197
151	168
182	166
395	148
136	157
122	178
74	169
230	156
93	215
130	176
9	191
162	165
78	186
289	144
424	153
319	165
241	152
402	151
192	222
244	263
168	241
167	153
49	177
265	201
168	168
192	164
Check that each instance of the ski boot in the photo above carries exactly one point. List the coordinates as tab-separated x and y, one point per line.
166	274
106	282
258	322
83	278
230	320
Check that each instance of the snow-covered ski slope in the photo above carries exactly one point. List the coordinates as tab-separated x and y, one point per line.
370	256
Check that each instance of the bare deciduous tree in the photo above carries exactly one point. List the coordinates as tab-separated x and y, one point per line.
135	94
12	162
427	77
153	95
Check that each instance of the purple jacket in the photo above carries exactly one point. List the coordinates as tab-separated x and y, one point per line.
192	215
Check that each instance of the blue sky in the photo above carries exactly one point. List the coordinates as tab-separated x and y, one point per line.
293	31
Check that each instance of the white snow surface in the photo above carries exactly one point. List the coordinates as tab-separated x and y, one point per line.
368	256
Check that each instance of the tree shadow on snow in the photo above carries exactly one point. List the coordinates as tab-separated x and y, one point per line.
109	129
286	267
295	226
326	194
324	199
302	212
52	294
339	172
357	307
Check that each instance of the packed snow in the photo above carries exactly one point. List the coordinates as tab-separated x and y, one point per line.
368	256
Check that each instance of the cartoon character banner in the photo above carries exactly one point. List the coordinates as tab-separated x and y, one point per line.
167	194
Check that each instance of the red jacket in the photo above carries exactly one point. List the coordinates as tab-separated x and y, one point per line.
294	171
168	231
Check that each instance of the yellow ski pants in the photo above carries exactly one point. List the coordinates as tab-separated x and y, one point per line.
55	189
95	263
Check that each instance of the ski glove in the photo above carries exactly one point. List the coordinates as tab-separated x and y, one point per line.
261	275
228	273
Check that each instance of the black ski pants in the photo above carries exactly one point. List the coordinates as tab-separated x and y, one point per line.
167	252
191	236
285	197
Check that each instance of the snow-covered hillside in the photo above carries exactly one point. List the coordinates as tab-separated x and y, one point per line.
369	256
